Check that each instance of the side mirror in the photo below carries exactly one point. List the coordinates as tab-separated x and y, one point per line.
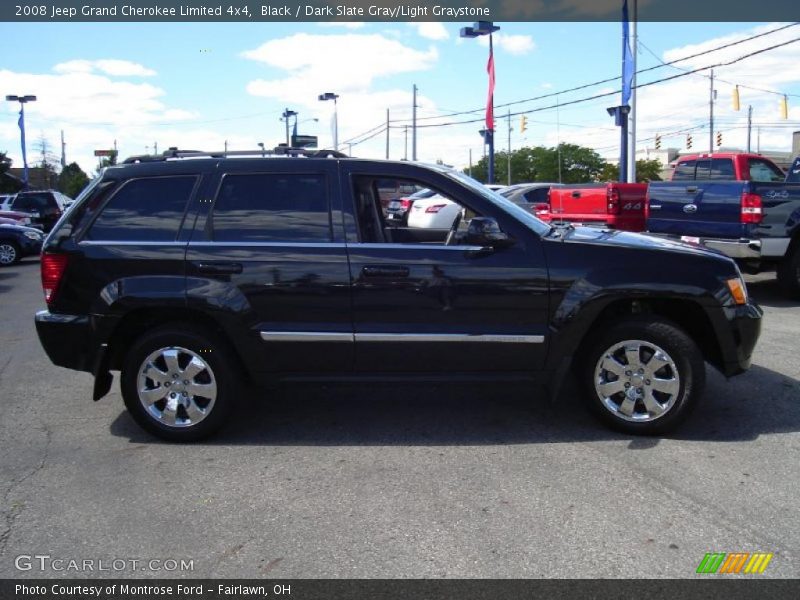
484	231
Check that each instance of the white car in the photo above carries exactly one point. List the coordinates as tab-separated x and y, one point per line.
436	212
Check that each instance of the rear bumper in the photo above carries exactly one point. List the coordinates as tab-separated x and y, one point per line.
744	325
67	340
745	248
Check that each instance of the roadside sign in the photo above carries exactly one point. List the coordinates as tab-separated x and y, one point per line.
105	152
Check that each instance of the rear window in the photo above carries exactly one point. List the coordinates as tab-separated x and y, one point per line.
272	208
29	202
722	168
761	170
144	210
684	170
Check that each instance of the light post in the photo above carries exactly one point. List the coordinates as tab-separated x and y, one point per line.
286	114
22	100
263	152
478	29
332	96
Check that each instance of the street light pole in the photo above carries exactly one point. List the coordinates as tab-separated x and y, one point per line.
478	29
332	96
286	114
22	100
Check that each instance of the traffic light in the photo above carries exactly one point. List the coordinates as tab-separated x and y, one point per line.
523	123
689	141
719	139
658	141
784	108
736	98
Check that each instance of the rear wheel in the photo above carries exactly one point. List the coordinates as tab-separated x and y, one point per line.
9	253
789	272
642	376
178	384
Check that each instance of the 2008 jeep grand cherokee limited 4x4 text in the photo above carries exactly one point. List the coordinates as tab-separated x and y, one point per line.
194	275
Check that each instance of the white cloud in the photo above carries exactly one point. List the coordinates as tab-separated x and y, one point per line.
114	67
516	44
313	67
431	31
344	24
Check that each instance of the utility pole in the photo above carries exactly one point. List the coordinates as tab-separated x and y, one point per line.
711	115
63	151
155	147
470	162
387	134
749	125
414	124
632	114
509	146
226	147
405	153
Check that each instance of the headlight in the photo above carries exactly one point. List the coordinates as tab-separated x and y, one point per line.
33	235
738	290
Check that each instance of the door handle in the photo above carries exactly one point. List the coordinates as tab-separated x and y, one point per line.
219	268
385	271
692	189
576	194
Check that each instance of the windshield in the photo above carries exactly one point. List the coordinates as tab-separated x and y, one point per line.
539	226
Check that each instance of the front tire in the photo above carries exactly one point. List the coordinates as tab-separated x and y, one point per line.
178	384
9	253
642	376
789	273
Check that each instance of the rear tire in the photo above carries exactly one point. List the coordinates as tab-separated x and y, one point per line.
789	272
9	253
178	384
642	376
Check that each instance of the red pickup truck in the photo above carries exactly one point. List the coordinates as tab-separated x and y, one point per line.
612	205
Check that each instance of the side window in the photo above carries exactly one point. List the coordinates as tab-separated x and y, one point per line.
266	207
761	170
29	202
684	171
722	168
537	195
144	210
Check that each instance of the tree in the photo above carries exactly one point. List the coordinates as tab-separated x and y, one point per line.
8	184
567	163
72	180
48	163
646	170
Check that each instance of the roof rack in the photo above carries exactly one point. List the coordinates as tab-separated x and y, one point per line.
282	150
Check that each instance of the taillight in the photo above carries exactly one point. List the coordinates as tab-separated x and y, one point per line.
613	201
540	208
435	208
53	267
405	203
752	211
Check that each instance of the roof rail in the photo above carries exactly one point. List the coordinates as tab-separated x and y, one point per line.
282	150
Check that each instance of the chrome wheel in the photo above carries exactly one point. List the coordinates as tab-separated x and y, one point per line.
8	254
176	387
637	381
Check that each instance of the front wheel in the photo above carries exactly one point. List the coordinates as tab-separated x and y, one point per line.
789	272
9	253
178	384
642	376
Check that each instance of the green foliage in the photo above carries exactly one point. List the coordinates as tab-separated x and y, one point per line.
72	180
567	163
646	170
8	185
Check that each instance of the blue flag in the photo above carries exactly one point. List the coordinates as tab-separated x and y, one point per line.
627	57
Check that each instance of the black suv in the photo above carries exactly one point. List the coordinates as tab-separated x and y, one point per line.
45	207
193	275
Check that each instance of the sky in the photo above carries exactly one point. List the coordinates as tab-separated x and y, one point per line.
198	86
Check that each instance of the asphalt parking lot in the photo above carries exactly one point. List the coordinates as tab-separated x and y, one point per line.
397	481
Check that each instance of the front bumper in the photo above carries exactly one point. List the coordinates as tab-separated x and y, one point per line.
744	328
67	340
744	248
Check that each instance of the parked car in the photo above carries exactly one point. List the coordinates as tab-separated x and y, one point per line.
44	207
20	218
740	204
398	209
436	212
17	242
612	205
533	197
391	189
193	277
